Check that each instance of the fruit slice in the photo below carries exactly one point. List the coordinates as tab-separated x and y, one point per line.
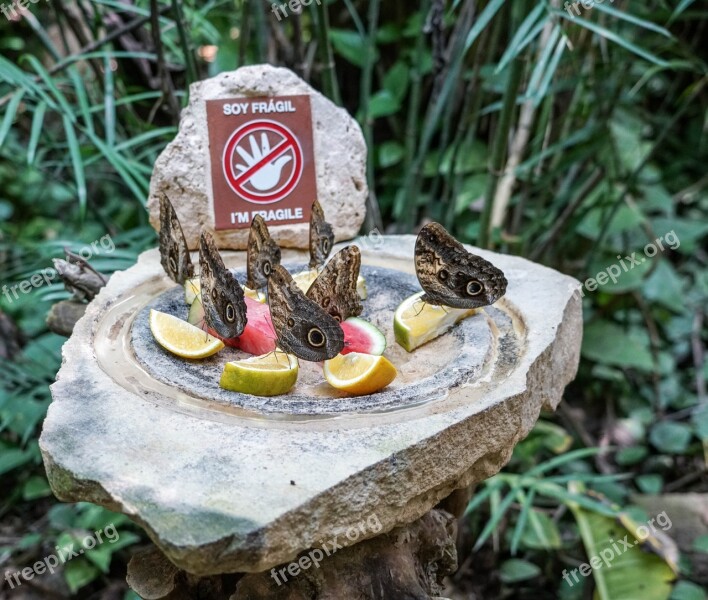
305	278
181	338
272	374
415	322
358	373
193	288
362	336
258	337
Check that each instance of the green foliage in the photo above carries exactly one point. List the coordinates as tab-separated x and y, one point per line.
573	140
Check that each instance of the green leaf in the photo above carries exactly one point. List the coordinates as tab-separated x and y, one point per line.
700	544
36	487
515	46
396	80
13	458
389	154
515	570
350	45
35	132
685	590
699	418
630	574
78	573
383	103
10	113
541	532
670	437
613	37
650	483
664	286
631	455
609	344
77	163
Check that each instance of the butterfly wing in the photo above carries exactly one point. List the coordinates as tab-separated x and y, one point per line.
452	276
222	296
301	326
321	236
335	287
263	254
174	253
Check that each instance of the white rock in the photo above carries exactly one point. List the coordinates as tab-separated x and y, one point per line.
223	489
182	170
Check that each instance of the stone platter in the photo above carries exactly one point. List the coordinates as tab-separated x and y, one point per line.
242	485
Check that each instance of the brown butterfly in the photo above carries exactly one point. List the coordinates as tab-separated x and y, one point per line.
302	327
452	276
335	287
263	254
222	296
321	236
174	253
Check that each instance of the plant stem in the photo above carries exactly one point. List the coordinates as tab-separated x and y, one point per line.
329	75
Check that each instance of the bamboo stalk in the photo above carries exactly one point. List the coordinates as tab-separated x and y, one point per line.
499	149
192	73
329	75
373	213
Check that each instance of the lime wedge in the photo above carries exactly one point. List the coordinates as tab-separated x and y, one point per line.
416	322
271	374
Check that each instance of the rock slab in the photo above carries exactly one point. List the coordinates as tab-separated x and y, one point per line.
220	493
182	171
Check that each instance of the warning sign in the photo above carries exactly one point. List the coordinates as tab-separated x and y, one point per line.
262	160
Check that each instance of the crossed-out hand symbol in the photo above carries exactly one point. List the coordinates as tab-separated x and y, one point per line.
268	175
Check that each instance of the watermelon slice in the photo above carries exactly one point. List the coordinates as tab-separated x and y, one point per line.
362	336
258	336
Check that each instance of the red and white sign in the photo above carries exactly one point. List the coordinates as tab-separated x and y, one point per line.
262	160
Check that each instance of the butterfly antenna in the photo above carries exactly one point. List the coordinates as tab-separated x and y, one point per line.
423	303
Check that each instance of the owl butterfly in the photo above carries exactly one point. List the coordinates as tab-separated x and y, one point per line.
263	254
301	326
222	296
452	276
321	236
335	287
174	254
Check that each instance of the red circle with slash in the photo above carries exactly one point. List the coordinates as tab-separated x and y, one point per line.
287	143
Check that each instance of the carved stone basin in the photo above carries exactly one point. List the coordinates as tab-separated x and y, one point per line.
226	482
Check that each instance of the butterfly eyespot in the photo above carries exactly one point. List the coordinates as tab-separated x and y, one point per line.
291	322
230	313
337	317
315	337
325	302
474	287
214	295
325	245
173	264
267	268
442	274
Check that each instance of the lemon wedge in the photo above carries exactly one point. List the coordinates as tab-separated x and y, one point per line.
270	374
416	322
304	280
358	374
193	289
181	338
